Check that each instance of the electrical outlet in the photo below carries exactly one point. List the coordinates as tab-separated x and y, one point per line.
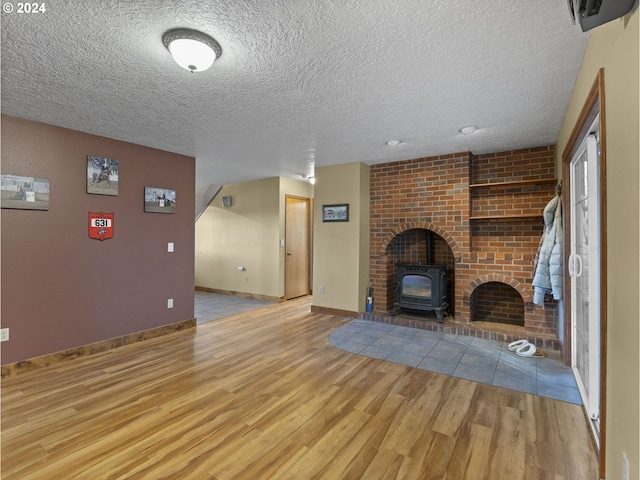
170	247
169	302
625	467
321	289
4	334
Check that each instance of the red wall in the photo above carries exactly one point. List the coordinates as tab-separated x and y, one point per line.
60	289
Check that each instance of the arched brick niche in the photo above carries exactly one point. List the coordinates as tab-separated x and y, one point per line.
416	243
441	232
497	302
495	297
498	277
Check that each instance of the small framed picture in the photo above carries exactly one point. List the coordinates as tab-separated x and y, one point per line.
24	193
102	176
159	200
335	213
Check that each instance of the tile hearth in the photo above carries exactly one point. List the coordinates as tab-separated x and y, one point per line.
476	359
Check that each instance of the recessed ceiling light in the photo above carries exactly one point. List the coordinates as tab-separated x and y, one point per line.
393	143
468	130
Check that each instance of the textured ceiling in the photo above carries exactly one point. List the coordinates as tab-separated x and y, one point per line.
300	83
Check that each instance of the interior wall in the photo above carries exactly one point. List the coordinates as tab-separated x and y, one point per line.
247	234
615	47
341	249
364	219
60	289
244	235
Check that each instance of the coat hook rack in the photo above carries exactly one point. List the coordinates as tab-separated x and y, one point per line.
559	188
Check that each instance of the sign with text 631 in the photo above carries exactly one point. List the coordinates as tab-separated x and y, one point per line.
101	225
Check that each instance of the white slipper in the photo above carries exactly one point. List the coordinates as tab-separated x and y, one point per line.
530	350
513	346
526	350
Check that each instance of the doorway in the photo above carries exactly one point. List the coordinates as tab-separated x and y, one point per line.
585	306
584	272
296	246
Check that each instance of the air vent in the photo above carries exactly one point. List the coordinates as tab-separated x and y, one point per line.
592	13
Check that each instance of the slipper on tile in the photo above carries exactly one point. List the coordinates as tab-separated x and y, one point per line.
530	350
513	346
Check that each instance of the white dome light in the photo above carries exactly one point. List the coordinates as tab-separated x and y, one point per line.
468	130
192	50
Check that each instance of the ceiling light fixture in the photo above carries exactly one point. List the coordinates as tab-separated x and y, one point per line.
192	50
393	143
468	130
310	178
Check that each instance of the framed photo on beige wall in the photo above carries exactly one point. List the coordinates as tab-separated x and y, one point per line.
335	213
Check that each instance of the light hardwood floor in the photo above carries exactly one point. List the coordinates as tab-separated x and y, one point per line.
263	395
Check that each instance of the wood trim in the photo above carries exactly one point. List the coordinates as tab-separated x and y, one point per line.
308	204
515	183
594	104
43	361
253	296
603	271
506	217
333	311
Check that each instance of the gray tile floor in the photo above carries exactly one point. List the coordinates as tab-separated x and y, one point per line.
212	306
484	361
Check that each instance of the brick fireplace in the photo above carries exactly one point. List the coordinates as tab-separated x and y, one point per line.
481	216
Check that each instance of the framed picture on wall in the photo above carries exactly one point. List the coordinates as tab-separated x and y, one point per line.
24	193
335	213
102	176
159	200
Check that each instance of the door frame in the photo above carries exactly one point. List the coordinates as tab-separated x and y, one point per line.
594	105
309	205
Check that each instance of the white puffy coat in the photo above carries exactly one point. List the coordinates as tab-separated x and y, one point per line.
548	270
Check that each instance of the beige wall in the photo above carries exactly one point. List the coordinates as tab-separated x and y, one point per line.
341	250
615	47
365	223
248	235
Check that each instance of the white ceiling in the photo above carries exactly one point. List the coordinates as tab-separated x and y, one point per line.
300	83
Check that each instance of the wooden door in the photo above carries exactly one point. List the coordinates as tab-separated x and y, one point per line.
296	247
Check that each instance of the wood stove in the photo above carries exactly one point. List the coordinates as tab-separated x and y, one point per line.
422	288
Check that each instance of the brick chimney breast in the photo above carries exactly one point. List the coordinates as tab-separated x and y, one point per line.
484	215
